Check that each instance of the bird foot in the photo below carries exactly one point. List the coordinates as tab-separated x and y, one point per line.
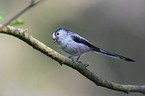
80	62
86	64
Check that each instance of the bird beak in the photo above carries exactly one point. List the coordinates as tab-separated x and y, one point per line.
54	38
55	41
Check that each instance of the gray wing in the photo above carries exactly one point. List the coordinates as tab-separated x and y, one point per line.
85	42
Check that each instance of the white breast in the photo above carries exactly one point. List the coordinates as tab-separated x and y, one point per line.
72	47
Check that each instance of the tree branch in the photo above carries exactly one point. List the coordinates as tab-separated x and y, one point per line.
81	68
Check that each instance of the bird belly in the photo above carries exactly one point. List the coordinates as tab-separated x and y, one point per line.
74	48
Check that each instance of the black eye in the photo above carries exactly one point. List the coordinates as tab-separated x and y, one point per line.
57	33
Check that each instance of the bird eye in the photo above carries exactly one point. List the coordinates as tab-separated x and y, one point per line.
57	33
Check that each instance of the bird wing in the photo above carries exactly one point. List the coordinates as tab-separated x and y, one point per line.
85	42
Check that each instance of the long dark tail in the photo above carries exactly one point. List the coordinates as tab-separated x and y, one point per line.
113	55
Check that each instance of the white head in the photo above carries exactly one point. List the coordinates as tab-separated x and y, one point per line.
60	33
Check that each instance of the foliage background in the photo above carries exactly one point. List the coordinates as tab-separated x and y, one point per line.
114	25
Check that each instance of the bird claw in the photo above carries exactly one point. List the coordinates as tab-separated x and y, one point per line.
80	62
86	64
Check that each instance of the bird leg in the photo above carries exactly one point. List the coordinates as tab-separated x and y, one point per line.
78	58
86	64
75	55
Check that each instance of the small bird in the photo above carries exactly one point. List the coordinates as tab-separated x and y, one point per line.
76	45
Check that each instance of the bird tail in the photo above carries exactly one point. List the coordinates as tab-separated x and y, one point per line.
114	55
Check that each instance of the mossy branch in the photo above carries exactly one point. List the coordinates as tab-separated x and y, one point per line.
81	68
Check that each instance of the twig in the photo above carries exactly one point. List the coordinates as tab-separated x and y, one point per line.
32	3
22	35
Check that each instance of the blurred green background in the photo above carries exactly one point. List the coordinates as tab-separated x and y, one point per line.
114	25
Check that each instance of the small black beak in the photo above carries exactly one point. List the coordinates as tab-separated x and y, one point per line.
55	40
